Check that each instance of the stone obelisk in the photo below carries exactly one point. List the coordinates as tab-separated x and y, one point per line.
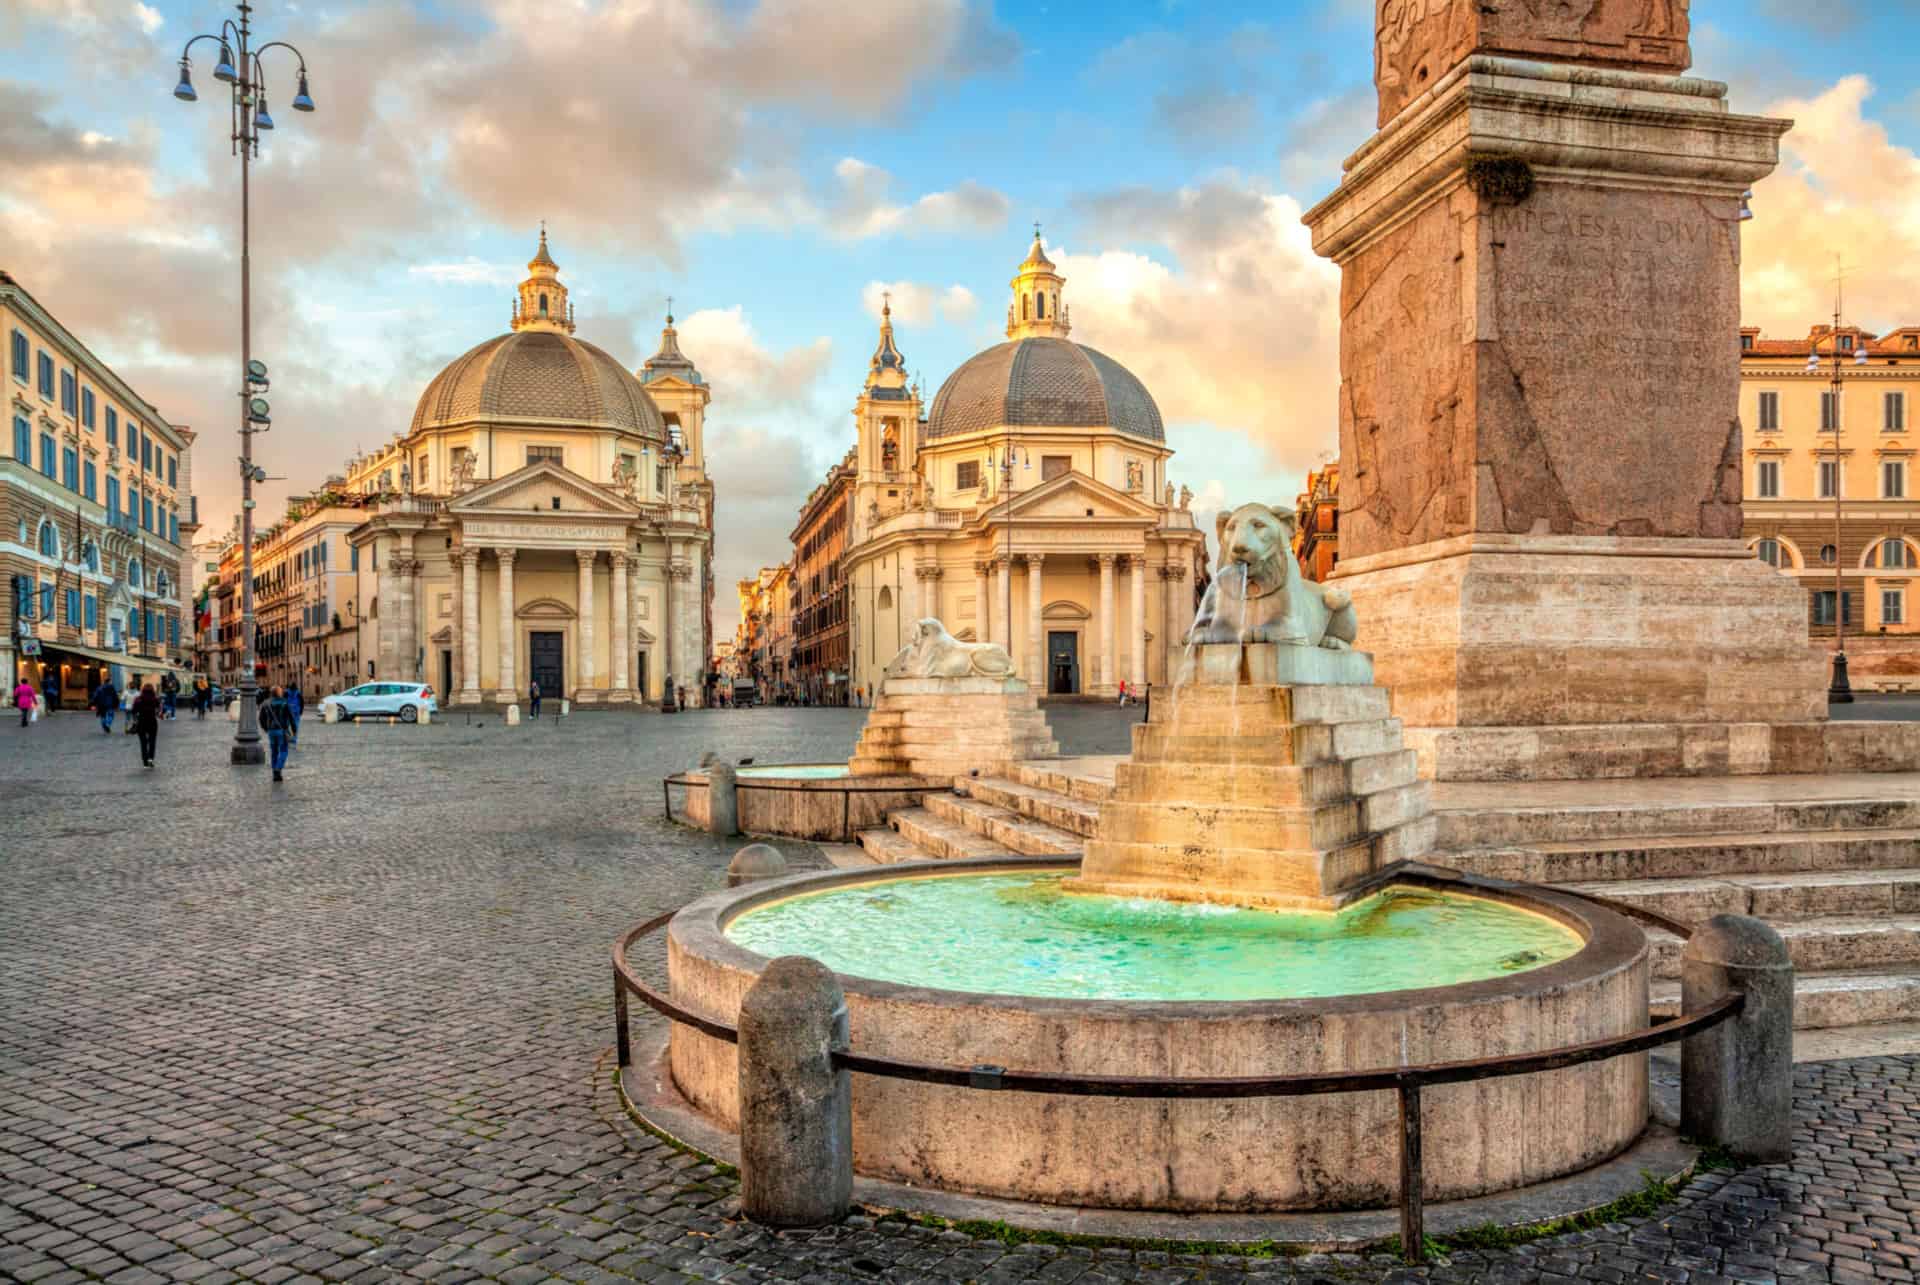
1539	434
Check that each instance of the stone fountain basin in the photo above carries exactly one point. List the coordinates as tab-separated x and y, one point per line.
1325	1152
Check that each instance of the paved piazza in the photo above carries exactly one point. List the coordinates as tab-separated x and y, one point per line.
358	1028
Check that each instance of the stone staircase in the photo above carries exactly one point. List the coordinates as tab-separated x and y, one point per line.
1832	862
1036	810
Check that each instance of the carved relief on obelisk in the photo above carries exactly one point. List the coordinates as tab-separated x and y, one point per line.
1418	41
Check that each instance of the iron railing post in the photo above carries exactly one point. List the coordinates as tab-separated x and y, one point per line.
1413	1217
622	1043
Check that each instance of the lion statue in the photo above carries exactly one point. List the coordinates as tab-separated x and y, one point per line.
935	653
1260	595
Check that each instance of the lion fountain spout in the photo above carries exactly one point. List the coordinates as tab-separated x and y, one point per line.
1275	776
1261	621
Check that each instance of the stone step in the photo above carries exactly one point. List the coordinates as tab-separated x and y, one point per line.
1052	807
1021	834
1301	744
938	837
1805	895
1851	997
889	848
1683	856
1042	776
1213	825
1493	823
1823	944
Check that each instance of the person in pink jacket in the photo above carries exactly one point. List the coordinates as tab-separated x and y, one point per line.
23	700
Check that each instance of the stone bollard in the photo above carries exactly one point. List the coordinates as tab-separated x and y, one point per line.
513	716
796	1109
566	708
233	710
426	716
723	801
329	713
754	862
1736	1080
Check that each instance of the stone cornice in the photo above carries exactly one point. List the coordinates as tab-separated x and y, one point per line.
1602	128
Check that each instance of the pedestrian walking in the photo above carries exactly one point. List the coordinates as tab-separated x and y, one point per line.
52	687
202	698
1123	693
23	700
146	721
297	703
533	700
106	703
283	733
169	693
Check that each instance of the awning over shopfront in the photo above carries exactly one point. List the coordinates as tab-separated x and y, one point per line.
55	651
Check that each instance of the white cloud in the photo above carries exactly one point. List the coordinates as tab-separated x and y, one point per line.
863	208
917	303
468	272
149	19
1235	323
1843	186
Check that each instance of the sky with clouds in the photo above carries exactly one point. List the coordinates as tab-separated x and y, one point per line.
775	166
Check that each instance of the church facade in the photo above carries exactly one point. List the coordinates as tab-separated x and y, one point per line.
546	518
1030	505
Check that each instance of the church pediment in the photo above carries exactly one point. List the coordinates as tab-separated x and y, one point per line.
534	488
1072	496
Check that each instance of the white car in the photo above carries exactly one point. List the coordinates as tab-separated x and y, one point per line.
407	701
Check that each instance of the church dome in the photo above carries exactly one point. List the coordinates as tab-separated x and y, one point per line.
539	373
539	376
1037	382
1040	378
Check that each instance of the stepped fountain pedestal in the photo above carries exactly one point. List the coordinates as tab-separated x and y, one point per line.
1285	791
948	708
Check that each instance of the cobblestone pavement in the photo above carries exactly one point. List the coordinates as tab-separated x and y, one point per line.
356	1027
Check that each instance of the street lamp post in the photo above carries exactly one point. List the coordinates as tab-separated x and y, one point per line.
1839	691
247	82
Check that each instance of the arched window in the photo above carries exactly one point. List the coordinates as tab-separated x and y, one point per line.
1891	553
1025	308
1828	554
1768	551
160	584
886	598
92	556
49	539
1039	304
543	303
133	572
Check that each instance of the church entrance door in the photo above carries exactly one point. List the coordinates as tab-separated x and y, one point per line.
1063	663
546	662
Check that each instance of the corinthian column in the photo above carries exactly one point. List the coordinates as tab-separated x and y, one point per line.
620	647
1137	575
508	685
1003	600
1173	580
1108	677
583	663
1036	609
469	626
982	602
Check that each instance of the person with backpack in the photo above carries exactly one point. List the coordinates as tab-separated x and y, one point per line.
106	703
283	732
146	722
202	698
169	693
533	700
297	703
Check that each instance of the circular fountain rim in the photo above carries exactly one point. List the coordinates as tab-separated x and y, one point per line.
1611	941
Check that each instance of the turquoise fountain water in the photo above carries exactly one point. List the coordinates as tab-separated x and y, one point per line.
796	771
1021	934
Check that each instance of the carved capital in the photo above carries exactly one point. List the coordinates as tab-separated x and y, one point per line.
982	567
1107	559
469	556
618	559
1034	560
505	557
1173	571
585	557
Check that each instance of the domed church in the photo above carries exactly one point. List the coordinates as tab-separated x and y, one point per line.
546	517
1031	505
